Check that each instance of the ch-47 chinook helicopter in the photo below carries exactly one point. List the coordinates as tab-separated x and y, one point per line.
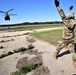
7	16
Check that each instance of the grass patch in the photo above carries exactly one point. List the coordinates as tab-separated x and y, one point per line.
15	73
30	46
6	54
52	36
19	49
25	69
10	53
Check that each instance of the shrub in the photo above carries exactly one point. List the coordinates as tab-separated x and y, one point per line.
6	54
1	47
2	41
15	73
23	69
21	49
31	66
26	69
9	53
3	55
30	46
12	39
15	51
7	36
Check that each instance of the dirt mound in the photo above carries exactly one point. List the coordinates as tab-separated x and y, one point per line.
25	61
22	61
41	71
30	40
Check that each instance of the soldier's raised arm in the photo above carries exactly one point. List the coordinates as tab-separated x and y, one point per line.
61	12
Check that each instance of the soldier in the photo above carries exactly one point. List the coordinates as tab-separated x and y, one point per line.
68	30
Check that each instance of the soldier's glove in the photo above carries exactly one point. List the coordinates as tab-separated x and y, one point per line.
56	3
71	7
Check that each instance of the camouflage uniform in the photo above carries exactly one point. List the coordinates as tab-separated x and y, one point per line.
68	32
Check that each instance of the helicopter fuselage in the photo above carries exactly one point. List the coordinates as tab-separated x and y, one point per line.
7	17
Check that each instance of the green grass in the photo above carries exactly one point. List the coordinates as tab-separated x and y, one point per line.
15	73
30	46
52	36
25	69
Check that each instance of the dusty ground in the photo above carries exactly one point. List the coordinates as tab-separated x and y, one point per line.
42	53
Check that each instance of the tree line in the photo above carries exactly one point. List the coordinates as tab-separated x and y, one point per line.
34	23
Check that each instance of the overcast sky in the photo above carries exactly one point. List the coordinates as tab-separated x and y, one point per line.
34	10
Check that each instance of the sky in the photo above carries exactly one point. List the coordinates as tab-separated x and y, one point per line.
34	10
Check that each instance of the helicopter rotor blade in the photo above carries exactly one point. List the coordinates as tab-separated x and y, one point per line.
2	12
10	10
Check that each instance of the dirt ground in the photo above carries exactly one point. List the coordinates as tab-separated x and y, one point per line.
42	53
